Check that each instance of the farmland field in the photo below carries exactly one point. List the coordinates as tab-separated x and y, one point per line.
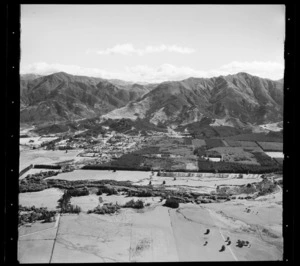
35	140
213	143
46	198
178	235
236	143
28	157
236	154
134	176
209	195
33	171
224	131
179	150
279	160
159	163
257	137
91	201
176	146
271	146
275	154
198	142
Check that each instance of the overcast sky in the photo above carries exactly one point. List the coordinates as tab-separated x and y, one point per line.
153	43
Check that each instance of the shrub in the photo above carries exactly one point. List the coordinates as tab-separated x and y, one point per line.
199	151
99	192
172	203
107	208
65	205
77	192
139	204
100	200
32	185
109	190
33	214
142	193
265	187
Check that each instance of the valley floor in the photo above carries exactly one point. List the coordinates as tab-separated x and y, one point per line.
239	205
155	233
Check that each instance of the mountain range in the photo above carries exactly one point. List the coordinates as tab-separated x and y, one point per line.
63	97
237	100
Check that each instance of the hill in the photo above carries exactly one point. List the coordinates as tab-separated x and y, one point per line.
239	100
64	97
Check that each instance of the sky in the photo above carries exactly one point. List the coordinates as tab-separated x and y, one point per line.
153	43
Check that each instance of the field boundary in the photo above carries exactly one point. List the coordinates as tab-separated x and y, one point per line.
56	225
26	169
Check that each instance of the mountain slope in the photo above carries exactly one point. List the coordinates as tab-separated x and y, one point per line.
242	97
236	100
62	97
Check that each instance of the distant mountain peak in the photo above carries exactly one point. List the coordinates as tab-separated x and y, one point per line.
30	76
62	96
62	74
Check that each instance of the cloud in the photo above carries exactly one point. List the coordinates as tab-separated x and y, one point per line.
129	49
43	68
163	73
144	73
271	70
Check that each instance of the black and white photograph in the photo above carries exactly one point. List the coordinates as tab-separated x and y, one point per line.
151	133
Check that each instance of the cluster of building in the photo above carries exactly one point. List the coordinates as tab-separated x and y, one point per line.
112	146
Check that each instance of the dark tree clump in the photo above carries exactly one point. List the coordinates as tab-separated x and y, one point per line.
172	203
